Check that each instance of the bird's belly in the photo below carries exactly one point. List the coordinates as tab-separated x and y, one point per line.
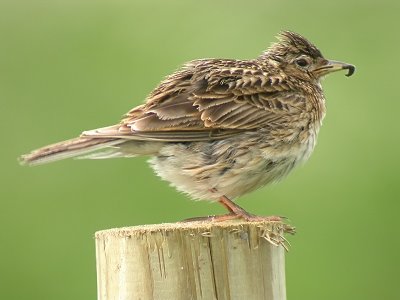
208	170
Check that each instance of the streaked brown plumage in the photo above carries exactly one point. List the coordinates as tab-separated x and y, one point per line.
220	128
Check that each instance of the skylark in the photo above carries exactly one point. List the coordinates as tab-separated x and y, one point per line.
217	129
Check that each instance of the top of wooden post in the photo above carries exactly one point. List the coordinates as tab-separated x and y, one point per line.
272	231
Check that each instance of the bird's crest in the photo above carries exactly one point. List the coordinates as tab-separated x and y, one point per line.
291	42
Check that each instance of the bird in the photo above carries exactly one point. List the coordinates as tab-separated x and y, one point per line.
217	129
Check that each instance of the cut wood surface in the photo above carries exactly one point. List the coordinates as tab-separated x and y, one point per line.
193	260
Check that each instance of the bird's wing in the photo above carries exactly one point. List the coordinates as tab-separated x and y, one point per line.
209	99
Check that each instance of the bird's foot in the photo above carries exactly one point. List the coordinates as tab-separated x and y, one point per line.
235	212
247	217
233	216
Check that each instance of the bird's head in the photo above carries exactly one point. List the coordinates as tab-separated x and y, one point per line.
297	57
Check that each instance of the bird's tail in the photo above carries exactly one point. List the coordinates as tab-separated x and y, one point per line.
71	148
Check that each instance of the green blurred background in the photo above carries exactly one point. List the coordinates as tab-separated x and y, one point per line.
68	66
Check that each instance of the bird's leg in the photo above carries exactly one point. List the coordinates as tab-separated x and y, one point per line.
231	206
237	212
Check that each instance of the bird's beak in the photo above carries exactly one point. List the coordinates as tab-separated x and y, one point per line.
333	66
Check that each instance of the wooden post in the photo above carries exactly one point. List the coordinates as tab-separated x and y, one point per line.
193	260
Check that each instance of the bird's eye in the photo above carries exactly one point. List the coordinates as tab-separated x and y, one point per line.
302	62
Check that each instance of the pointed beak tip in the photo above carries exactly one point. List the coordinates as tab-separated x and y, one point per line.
351	69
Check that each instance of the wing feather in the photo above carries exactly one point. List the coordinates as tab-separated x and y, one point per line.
209	99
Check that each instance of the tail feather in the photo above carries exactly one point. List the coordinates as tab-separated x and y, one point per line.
66	149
